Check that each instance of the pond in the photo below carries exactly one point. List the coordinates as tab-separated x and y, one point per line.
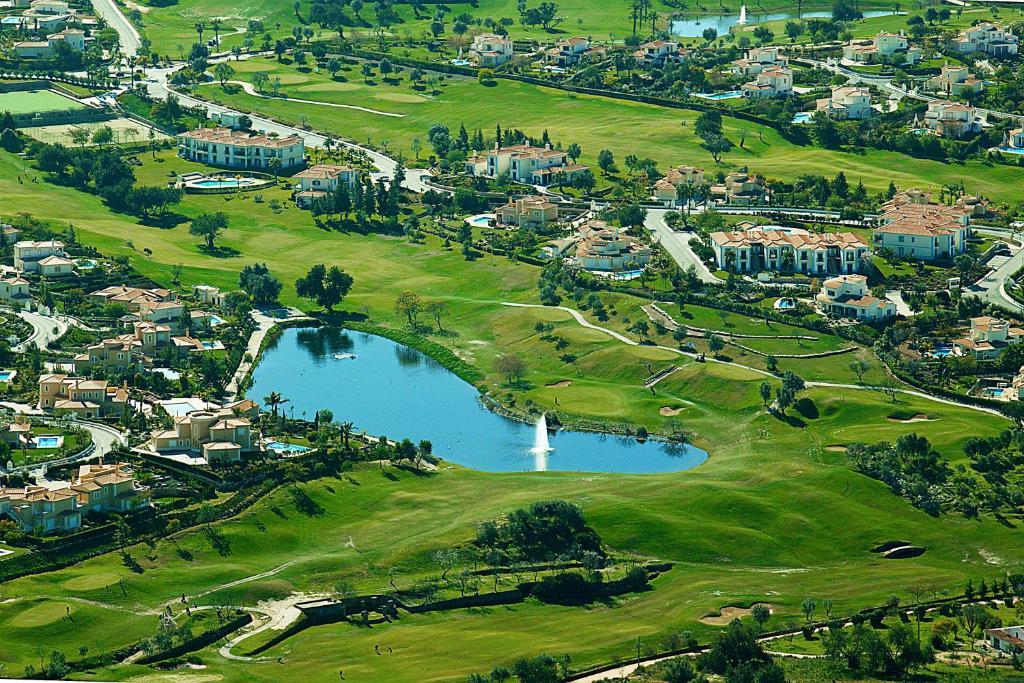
695	26
392	390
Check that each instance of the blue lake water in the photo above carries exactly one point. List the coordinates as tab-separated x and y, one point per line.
392	390
695	27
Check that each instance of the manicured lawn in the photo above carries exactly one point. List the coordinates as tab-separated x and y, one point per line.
28	101
595	123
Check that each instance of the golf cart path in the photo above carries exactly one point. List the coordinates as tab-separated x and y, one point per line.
250	89
835	385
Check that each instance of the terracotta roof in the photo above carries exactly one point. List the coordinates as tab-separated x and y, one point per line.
241	138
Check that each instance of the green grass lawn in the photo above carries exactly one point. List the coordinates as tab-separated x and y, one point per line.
28	101
595	123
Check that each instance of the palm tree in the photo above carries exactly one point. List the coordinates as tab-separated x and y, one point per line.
346	432
274	400
200	27
215	23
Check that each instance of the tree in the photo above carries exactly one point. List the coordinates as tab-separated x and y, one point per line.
606	161
766	392
808	606
860	368
224	72
574	152
717	145
761	614
259	80
256	281
511	365
715	344
437	309
209	226
10	141
326	287
539	669
408	304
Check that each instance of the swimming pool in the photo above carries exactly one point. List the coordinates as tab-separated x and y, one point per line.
212	346
785	304
731	95
802	117
8	375
993	391
482	220
48	441
281	447
222	182
1011	150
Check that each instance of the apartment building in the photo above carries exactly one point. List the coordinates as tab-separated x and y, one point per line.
790	250
86	398
241	149
911	225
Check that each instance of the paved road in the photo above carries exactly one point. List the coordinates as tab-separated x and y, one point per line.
677	244
111	13
265	322
384	164
45	329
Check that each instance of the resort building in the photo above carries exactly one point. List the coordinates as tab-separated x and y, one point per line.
602	248
96	488
568	52
951	119
208	295
231	119
885	47
534	212
133	351
15	291
847	102
848	296
954	81
86	398
49	6
1014	138
758	59
72	37
490	50
987	338
776	81
218	435
56	266
1007	639
913	226
316	182
740	189
28	254
170	313
657	53
132	298
524	164
784	251
666	190
241	149
988	38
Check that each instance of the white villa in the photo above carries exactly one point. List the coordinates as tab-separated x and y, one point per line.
988	38
28	254
524	164
241	149
15	290
913	226
988	337
316	182
657	53
598	247
954	81
74	38
798	251
848	296
889	46
951	119
739	189
1007	639
218	435
491	50
775	81
568	51
847	102
1015	138
757	59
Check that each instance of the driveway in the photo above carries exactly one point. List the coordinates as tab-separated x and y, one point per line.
677	244
45	329
111	13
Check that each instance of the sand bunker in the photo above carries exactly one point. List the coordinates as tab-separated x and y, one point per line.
727	614
669	411
920	417
559	385
836	448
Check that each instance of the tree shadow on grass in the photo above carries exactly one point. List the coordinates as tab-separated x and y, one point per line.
164	221
791	420
219	252
218	541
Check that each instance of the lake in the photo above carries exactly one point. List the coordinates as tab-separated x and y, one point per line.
695	27
392	390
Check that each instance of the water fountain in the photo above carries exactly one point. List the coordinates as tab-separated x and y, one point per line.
541	447
743	15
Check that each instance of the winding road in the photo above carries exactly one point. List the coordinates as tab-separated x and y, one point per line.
45	329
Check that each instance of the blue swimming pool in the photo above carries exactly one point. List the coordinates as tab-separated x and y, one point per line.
1011	150
7	375
802	117
281	447
224	182
48	441
731	95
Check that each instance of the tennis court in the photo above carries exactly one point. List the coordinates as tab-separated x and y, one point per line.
124	130
31	101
